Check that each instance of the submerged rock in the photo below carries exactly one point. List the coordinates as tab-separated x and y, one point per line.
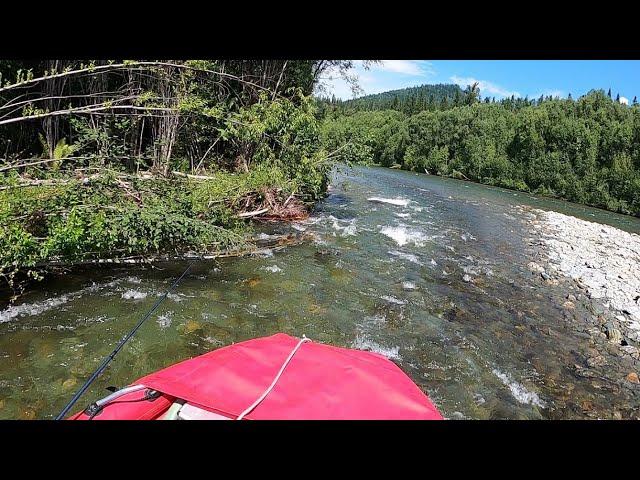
633	377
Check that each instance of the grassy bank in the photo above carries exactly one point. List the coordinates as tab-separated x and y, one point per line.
67	219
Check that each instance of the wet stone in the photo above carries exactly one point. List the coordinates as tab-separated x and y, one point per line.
596	361
633	377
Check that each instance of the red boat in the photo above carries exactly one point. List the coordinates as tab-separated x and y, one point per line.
272	378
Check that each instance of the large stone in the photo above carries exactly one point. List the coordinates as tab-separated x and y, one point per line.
633	377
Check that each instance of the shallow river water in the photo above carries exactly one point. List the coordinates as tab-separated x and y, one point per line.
431	272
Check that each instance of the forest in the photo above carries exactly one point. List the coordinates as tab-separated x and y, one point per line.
121	159
407	100
585	150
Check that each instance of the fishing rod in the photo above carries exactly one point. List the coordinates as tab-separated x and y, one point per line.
115	351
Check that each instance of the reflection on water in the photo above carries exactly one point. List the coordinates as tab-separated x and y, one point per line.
428	271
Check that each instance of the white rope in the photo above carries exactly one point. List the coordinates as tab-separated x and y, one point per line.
275	380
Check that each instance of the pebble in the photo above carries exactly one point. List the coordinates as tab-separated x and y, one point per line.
534	267
596	361
571	297
613	334
631	350
569	305
192	326
633	378
603	261
466	278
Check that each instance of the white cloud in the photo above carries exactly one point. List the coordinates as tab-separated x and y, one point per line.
406	67
487	89
379	77
624	100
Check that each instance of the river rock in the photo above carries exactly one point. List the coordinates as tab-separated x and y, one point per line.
633	377
596	361
571	297
466	278
569	305
534	267
613	334
192	326
631	350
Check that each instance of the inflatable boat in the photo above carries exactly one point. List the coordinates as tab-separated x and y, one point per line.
271	378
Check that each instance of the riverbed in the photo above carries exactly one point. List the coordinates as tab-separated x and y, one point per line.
460	284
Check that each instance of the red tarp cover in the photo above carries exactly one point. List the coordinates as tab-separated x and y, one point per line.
320	382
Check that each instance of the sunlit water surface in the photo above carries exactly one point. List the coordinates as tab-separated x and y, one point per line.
384	276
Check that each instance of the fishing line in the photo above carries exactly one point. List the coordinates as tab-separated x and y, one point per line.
115	351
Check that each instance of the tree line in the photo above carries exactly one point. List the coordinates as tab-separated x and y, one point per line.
585	150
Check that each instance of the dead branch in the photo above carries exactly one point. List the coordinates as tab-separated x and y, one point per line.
253	214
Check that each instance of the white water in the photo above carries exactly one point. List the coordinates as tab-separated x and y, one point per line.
134	295
401	202
519	391
363	343
402	235
407	256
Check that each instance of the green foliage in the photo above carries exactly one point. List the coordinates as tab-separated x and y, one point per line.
407	100
585	150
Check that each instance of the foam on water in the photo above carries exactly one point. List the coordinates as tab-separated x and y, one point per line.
407	256
363	343
174	296
409	286
391	299
345	230
401	202
35	308
263	253
402	235
272	268
132	294
164	320
519	391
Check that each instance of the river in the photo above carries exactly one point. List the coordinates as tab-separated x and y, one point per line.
432	272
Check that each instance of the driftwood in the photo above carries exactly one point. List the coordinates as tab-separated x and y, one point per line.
253	214
194	177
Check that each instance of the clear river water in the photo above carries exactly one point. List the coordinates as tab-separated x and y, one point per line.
388	269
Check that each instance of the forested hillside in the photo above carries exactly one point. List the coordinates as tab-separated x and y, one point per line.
407	100
585	150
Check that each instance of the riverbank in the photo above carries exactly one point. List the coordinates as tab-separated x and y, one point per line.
114	217
599	266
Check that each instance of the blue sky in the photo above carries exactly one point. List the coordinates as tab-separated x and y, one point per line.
500	78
